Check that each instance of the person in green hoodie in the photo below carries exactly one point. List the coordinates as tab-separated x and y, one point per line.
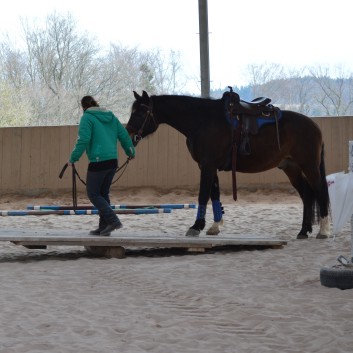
98	134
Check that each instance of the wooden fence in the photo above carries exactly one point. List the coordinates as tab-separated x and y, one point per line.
31	159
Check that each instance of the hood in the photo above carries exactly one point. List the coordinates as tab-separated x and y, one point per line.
102	114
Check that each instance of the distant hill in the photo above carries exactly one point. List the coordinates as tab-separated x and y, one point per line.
311	96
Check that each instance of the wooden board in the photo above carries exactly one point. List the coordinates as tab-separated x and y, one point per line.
124	239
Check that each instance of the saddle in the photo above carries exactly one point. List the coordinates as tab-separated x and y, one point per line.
248	117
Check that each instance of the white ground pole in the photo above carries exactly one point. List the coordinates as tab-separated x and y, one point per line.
350	168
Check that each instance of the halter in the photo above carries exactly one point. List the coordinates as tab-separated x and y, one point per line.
149	116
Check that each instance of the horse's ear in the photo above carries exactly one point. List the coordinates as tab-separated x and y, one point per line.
137	96
145	95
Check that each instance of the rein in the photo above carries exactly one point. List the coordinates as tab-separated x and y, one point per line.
75	174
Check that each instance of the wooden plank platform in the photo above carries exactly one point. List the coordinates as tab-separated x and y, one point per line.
118	239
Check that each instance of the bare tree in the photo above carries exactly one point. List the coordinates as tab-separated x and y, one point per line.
12	64
14	107
261	74
60	61
14	102
335	95
59	65
294	92
167	71
314	91
300	90
129	69
121	68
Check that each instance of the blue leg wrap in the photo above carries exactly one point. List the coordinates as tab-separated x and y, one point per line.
201	212
217	210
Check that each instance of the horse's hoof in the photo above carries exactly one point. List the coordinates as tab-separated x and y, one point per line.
321	236
192	232
302	236
213	231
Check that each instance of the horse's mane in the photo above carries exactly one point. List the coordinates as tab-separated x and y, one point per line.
186	98
188	101
191	103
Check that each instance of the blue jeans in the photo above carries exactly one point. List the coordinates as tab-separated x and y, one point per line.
98	185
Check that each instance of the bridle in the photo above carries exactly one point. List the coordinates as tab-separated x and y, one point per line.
148	117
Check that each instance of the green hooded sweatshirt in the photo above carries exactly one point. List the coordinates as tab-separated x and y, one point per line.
98	134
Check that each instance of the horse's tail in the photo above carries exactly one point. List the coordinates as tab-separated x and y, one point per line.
323	203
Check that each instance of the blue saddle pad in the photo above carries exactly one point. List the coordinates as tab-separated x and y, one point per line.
260	121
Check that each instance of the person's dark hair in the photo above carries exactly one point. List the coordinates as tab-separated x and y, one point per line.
88	102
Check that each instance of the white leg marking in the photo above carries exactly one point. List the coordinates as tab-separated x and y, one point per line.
214	229
325	226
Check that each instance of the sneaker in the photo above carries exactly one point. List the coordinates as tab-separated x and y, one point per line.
110	227
95	231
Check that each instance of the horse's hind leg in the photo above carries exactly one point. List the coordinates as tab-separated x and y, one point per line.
305	192
216	207
313	191
316	179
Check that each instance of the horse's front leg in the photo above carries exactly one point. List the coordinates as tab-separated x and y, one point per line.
216	207
207	177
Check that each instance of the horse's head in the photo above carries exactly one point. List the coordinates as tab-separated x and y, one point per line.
142	122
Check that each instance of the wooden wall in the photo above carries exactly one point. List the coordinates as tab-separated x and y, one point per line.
31	159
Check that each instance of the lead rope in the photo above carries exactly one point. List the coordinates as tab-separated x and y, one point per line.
75	174
123	166
74	186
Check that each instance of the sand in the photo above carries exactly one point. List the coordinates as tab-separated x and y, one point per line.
260	300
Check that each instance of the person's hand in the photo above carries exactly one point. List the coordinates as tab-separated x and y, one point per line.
130	158
69	163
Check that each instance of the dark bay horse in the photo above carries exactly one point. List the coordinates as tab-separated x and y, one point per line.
293	144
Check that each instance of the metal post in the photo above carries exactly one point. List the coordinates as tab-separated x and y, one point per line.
350	170
352	239
350	156
204	49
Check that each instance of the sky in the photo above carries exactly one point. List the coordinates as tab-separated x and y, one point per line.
241	32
